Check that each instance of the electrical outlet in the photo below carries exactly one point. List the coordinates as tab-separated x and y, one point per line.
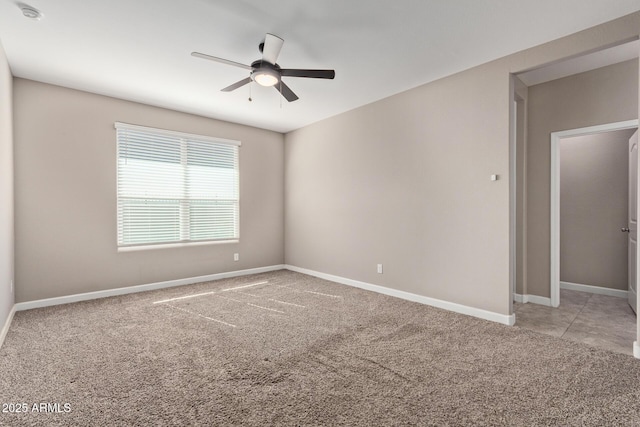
379	268
236	257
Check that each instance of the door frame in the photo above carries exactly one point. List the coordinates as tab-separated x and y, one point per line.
513	250
556	137
517	249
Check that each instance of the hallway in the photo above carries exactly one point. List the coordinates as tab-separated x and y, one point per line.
598	320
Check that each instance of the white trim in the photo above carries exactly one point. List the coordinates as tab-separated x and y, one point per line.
141	288
513	195
7	324
594	289
534	299
174	245
636	350
518	250
185	135
446	305
555	194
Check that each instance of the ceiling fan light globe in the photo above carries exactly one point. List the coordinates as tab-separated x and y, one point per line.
265	79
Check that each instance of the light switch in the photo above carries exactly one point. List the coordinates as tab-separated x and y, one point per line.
494	177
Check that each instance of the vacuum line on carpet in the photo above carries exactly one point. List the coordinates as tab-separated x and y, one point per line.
252	305
287	303
311	292
232	299
248	294
266	308
184	297
246	286
270	299
200	315
324	295
207	293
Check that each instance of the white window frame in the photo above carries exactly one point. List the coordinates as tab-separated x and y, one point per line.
184	228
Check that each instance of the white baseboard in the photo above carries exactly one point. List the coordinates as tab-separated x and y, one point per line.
636	350
534	299
140	288
7	323
594	289
446	305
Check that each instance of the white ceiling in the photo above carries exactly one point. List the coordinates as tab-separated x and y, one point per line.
140	50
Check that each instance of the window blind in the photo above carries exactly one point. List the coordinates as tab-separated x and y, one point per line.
175	187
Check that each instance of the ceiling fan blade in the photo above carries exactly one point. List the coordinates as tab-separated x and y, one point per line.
314	74
216	59
237	85
286	91
271	48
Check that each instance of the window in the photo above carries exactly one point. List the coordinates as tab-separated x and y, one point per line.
175	187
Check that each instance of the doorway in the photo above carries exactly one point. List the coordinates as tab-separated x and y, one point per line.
559	95
556	138
593	315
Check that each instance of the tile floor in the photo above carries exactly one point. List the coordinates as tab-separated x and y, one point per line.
598	320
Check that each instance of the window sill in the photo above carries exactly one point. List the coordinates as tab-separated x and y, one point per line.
174	245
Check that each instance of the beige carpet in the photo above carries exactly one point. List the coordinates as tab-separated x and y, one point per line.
288	349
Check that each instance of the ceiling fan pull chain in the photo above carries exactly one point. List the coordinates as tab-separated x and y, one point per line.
250	85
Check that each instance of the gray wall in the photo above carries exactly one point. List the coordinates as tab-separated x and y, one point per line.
6	190
594	198
605	95
65	183
405	182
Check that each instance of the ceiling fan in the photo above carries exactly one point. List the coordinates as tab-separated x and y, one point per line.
266	72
